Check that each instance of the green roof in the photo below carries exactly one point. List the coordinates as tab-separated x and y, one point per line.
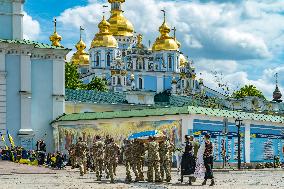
170	111
124	114
91	96
34	43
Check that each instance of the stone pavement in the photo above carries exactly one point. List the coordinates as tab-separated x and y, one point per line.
14	176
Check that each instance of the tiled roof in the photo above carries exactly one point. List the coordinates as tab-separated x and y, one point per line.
34	43
91	96
124	114
170	111
235	114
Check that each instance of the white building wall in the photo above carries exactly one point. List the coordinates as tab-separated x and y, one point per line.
17	19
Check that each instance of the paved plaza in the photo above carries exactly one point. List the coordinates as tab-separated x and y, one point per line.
16	176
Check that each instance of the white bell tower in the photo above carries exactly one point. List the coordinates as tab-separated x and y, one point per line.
11	16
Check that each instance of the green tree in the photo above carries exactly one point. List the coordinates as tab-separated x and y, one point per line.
248	90
96	84
72	80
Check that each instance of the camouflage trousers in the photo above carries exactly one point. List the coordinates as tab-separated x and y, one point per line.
165	168
98	168
82	162
73	162
138	170
154	165
110	170
128	166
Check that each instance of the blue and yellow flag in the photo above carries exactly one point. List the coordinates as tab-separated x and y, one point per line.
10	139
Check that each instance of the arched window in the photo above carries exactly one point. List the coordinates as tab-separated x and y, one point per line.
182	83
140	84
108	59
118	81
170	62
97	60
113	81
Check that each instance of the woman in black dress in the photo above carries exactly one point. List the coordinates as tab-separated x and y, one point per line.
188	160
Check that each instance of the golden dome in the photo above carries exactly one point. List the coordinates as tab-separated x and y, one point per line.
80	57
164	41
55	39
104	37
119	25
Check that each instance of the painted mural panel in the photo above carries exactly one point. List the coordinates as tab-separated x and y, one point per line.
266	142
119	131
215	128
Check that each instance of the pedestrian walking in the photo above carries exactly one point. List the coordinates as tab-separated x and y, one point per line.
98	155
111	157
166	149
153	160
208	160
81	155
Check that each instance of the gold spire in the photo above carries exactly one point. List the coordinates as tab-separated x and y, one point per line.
80	57
119	25
55	38
139	41
164	41
182	61
104	37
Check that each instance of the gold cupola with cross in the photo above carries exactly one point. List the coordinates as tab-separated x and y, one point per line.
55	38
104	38
119	25
165	41
80	57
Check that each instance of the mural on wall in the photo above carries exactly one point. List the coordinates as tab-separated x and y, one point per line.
119	131
266	142
215	129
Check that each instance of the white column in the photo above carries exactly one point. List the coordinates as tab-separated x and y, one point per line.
103	58
26	97
247	142
187	125
2	91
17	20
58	88
160	84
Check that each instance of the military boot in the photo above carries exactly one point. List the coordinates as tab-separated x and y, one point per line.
212	182
204	182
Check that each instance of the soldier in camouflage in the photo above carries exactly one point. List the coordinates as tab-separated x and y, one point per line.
81	155
166	149
72	156
111	158
98	154
128	158
138	159
153	160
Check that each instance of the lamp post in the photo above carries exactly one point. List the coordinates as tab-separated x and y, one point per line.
239	123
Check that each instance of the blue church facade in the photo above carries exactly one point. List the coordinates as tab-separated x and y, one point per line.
32	81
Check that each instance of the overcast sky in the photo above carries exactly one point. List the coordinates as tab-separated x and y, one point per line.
242	39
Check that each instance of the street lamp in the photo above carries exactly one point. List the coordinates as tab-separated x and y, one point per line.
239	123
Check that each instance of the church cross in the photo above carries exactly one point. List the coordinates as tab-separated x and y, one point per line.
55	23
164	11
174	29
81	29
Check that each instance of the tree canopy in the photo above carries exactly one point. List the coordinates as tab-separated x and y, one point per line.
248	90
72	80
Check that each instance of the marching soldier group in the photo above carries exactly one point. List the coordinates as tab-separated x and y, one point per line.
105	155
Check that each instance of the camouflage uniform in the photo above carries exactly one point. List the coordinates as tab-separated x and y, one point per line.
98	153
81	156
138	160
166	154
111	158
128	159
153	161
72	156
